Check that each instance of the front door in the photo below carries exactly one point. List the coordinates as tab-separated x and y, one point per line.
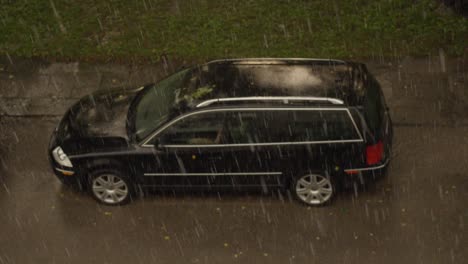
188	153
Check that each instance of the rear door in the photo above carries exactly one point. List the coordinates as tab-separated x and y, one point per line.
256	157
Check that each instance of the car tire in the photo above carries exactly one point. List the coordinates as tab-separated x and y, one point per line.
110	187
314	189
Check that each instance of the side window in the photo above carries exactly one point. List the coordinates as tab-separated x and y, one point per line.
322	125
290	126
198	129
258	127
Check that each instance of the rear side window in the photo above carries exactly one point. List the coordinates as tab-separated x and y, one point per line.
275	126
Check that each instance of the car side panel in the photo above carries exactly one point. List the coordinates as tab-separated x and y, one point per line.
292	160
179	167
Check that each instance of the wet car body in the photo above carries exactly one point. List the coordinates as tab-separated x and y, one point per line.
101	131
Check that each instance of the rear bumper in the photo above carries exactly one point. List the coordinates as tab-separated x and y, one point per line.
365	175
378	167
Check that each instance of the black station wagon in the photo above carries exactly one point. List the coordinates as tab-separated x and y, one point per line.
305	124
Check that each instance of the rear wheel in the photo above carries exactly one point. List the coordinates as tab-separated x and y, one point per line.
110	187
313	189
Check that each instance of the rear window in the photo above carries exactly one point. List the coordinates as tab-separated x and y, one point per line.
291	126
374	107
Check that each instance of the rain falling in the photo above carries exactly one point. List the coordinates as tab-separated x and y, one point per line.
199	131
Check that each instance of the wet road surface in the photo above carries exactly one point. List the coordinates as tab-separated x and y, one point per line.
417	214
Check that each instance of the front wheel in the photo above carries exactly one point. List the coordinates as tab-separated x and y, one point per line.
110	187
313	189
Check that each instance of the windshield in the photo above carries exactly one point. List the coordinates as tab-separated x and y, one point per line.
156	104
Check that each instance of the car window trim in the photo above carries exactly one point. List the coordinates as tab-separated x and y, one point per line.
149	174
264	144
331	100
164	127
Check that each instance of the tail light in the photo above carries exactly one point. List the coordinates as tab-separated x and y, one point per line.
374	153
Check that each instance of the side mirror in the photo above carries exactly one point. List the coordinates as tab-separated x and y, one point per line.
157	144
160	141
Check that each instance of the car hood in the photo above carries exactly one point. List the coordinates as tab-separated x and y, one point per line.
102	114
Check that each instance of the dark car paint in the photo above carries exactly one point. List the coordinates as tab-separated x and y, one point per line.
243	165
94	139
250	161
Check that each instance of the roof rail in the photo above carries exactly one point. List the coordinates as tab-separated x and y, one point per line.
274	60
285	99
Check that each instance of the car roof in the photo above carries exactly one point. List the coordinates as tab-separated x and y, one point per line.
263	82
326	80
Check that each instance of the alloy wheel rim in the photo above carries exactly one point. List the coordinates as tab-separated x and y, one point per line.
314	189
110	189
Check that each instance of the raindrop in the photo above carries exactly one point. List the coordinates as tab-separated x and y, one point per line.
309	26
442	60
441	192
265	41
57	16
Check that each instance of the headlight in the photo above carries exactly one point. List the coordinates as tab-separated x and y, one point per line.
61	158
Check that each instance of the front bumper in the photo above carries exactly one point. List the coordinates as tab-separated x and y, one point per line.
64	172
68	176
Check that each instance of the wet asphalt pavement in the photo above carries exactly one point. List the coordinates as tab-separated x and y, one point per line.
417	214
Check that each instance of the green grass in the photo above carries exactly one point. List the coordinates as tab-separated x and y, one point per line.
206	29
